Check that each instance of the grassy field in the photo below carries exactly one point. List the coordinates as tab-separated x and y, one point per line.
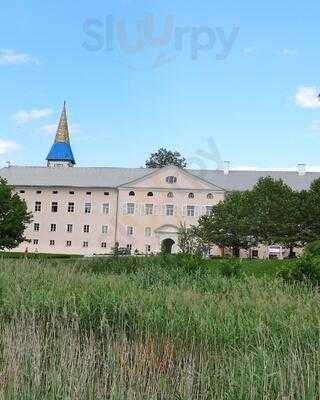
156	328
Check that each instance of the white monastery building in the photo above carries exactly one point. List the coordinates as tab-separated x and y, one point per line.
90	210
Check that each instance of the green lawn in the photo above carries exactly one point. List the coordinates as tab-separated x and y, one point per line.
11	254
156	328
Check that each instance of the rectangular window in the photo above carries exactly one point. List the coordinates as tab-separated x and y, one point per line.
71	192
209	210
149	209
68	243
105	229
37	206
169	210
39	191
70	228
86	228
70	207
148	248
55	192
255	254
104	245
36	241
22	191
36	227
129	247
130	230
54	207
130	208
88	193
53	228
147	232
105	208
85	244
190	211
52	242
87	208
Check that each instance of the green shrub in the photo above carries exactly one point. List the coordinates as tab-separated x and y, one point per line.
306	269
231	268
37	256
189	262
313	248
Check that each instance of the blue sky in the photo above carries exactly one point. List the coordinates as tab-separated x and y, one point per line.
256	107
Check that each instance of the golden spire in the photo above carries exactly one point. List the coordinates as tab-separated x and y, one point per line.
62	135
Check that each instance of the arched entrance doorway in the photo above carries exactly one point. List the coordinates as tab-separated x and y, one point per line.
167	245
168	238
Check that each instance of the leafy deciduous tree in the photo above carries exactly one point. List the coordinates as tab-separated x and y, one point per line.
164	157
190	242
14	217
275	213
229	224
311	212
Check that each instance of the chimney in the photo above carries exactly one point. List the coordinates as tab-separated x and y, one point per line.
302	169
226	167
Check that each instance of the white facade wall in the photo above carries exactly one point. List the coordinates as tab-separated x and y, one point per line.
147	230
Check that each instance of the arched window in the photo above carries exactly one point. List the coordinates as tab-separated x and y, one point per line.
210	196
132	194
191	195
150	194
171	179
170	195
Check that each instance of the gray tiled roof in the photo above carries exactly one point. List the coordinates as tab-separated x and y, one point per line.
71	177
114	177
243	180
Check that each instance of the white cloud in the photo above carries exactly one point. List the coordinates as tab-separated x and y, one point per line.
307	97
23	117
11	57
288	52
7	146
51	129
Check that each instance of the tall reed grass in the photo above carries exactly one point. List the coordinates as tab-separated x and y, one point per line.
154	329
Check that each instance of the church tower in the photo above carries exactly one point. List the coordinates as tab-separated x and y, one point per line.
61	154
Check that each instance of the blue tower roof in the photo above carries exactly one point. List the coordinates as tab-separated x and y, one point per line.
61	152
61	149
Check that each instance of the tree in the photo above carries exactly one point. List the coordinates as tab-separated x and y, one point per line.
164	157
276	215
310	209
229	224
190	242
14	217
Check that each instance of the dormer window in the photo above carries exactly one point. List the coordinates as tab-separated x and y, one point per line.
171	179
132	194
